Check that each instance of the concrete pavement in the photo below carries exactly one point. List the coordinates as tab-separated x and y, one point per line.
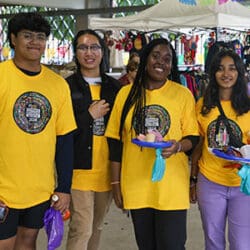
118	232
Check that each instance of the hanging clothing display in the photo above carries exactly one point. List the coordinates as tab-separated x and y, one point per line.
195	80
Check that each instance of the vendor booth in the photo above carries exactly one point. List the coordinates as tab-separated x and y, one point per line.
193	29
172	14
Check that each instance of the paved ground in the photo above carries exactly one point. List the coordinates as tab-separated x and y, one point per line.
118	232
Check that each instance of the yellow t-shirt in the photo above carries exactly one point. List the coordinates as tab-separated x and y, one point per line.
98	178
33	111
171	110
210	165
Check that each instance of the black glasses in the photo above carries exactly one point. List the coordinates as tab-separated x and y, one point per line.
85	48
30	36
3	214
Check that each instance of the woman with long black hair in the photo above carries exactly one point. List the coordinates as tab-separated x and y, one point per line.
93	93
156	101
224	110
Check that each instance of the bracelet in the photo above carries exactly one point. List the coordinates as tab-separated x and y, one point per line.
179	148
114	182
193	179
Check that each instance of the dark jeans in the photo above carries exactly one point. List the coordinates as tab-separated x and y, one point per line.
160	230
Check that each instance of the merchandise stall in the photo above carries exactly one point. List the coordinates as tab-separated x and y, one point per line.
218	21
192	29
172	14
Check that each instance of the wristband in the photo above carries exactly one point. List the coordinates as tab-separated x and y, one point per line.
114	182
179	148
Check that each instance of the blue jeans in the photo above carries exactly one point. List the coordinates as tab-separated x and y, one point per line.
219	204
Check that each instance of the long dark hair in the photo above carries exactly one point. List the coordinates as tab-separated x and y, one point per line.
103	66
137	94
239	97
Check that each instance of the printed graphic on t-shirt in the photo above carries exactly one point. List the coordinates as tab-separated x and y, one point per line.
32	111
99	126
221	136
155	117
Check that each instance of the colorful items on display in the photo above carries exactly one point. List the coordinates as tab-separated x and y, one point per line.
192	47
246	56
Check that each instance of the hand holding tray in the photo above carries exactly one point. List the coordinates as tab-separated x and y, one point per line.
223	155
159	164
162	144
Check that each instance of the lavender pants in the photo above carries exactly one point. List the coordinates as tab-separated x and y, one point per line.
220	205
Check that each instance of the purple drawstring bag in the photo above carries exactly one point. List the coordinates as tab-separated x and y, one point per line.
54	227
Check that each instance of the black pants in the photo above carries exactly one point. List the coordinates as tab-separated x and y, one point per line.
160	230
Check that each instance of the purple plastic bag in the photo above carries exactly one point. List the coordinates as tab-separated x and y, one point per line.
54	227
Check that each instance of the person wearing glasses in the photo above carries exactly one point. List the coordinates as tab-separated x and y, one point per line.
93	93
36	124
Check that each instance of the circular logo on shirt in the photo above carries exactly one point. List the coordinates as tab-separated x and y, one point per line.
155	117
32	112
220	136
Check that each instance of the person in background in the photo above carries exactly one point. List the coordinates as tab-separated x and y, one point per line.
156	101
131	69
134	56
129	77
93	93
36	121
218	188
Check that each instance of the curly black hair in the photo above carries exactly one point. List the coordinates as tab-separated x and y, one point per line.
239	98
137	94
27	21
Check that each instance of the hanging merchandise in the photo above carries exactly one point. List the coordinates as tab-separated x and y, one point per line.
115	47
211	39
172	37
116	54
195	80
128	43
238	47
139	41
190	45
108	39
246	55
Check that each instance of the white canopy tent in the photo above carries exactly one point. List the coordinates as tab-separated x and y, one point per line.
170	14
